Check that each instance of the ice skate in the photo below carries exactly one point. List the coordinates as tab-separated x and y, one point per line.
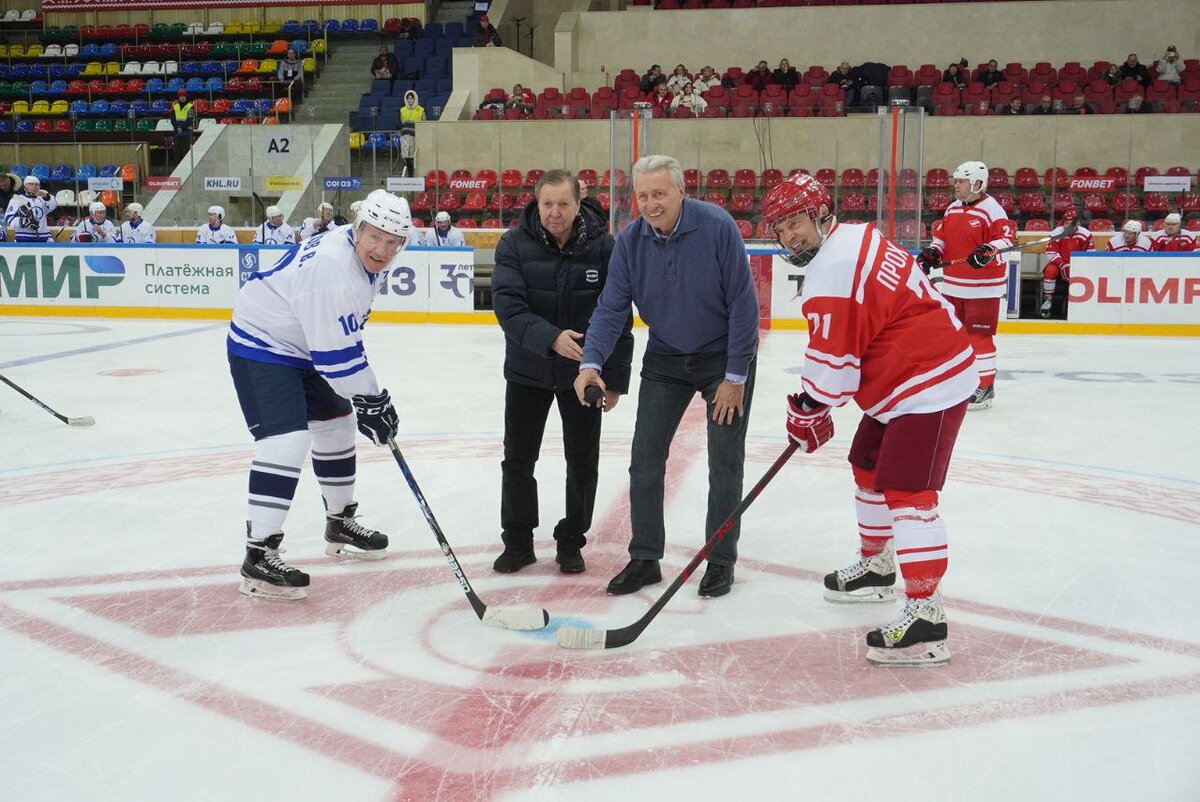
266	576
917	638
982	399
345	537
1045	310
869	580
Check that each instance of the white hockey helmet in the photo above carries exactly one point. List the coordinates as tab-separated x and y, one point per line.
385	211
1132	227
442	217
973	172
219	211
1173	217
325	206
134	207
274	211
354	207
96	206
32	179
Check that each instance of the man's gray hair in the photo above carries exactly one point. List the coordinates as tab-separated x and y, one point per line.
648	164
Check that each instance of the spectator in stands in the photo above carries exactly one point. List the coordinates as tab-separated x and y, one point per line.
991	76
521	99
292	69
1015	107
183	122
1081	106
1112	76
661	97
135	230
550	271
689	98
1132	68
386	66
843	76
1170	66
411	113
444	234
1046	106
485	34
1137	105
759	77
678	78
954	75
707	79
324	221
786	75
646	85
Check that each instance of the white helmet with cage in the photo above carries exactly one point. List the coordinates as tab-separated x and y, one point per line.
976	173
385	211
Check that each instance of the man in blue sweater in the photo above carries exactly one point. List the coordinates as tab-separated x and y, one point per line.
684	265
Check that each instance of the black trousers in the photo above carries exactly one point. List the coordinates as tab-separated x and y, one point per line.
525	412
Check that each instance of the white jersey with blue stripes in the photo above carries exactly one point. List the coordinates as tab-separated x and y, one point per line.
28	217
308	310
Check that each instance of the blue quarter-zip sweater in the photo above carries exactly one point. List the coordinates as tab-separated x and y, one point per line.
693	289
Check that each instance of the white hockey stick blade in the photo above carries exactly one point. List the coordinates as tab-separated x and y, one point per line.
82	420
576	638
516	619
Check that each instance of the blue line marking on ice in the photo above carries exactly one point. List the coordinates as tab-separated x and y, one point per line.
91	349
550	631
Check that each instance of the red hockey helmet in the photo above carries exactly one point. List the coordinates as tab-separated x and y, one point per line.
801	193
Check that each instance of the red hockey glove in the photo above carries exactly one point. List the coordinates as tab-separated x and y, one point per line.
981	257
808	423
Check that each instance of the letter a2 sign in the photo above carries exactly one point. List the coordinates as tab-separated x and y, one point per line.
287	143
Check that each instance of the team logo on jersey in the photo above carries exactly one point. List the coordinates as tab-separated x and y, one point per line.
974	222
29	215
460	279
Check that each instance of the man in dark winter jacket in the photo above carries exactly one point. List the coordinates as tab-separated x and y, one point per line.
549	273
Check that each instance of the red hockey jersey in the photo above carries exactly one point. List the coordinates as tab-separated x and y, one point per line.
1059	251
1182	242
961	230
879	332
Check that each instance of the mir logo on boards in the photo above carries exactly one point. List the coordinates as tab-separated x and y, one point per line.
54	276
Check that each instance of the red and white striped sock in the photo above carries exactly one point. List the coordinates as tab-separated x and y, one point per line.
921	540
874	521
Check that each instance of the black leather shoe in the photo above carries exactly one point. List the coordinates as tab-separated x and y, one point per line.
717	581
514	559
634	577
570	560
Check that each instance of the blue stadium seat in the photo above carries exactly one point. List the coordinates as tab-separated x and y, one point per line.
453	29
109	171
368	25
174	85
433	30
402	48
86	171
62	172
331	25
262	106
140	107
89	51
159	107
242	106
349	26
79	107
42	171
108	50
155	86
119	107
20	170
195	85
58	71
215	85
291	27
6	127
98	107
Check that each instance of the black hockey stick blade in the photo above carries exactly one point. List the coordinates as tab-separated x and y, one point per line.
82	420
521	619
577	638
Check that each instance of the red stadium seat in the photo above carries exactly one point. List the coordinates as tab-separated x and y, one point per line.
1037	224
998	178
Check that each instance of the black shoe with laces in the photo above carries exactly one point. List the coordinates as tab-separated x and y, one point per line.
569	559
514	558
634	577
346	537
717	581
266	576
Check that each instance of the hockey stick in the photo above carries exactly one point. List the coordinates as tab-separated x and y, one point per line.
1020	246
505	619
263	225
575	638
83	420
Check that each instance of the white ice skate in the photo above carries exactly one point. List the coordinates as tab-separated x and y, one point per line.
869	580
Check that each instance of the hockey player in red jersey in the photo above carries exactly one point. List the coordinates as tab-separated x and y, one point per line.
1070	237
974	228
1173	238
881	335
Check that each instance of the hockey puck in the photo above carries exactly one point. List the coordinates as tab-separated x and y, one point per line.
593	395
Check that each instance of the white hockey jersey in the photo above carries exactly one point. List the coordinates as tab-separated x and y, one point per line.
308	311
88	230
879	332
222	235
1117	243
138	232
313	226
27	217
453	238
282	234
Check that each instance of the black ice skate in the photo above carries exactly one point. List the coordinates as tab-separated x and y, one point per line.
982	399
917	638
266	576
868	580
345	537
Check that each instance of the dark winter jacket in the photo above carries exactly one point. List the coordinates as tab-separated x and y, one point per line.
539	290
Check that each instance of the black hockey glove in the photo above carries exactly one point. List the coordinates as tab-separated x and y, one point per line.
377	418
927	258
981	257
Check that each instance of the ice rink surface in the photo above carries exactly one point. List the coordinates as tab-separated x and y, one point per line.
134	670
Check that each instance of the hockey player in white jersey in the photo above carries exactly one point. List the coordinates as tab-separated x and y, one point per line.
274	230
96	227
29	210
135	230
298	365
320	224
215	232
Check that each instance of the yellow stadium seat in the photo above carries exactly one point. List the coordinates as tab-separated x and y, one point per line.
271	27
20	107
310	64
41	107
234	28
356	140
3	51
267	66
60	107
35	51
16	51
93	68
318	46
112	68
253	26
